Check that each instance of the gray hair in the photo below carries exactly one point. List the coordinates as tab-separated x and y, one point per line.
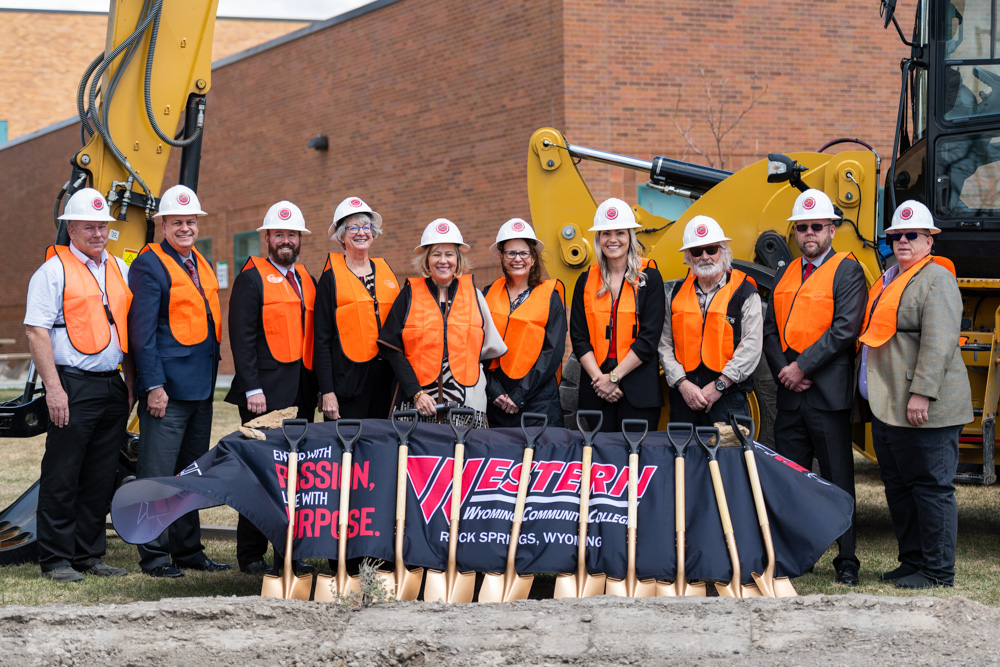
358	219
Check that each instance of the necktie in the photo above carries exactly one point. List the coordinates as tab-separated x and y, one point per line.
194	276
808	270
295	285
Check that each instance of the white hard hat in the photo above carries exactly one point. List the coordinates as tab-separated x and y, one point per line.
614	214
441	231
516	228
702	230
179	200
284	215
87	205
813	205
349	207
911	214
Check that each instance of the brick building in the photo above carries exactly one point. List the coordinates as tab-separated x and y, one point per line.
429	105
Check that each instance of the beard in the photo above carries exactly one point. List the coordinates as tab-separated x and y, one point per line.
706	268
821	247
285	253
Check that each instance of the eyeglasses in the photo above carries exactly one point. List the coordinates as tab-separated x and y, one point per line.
354	229
516	254
910	236
708	250
816	227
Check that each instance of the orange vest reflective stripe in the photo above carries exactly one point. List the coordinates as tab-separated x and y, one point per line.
804	310
523	330
357	325
83	302
599	315
424	333
287	328
188	316
709	339
883	303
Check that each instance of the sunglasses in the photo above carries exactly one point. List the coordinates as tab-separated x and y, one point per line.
708	250
816	227
910	236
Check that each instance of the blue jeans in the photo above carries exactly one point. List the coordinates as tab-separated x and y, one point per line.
167	445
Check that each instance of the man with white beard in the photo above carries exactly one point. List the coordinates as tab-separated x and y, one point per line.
712	333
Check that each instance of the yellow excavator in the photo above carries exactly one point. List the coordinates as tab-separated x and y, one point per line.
946	153
142	96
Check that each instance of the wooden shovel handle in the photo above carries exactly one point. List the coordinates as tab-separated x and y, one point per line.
720	497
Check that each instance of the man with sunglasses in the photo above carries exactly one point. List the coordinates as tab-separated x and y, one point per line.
810	333
712	332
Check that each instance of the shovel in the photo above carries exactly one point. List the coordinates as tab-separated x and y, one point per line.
631	586
510	585
582	584
771	586
452	585
680	587
403	582
290	586
329	586
734	589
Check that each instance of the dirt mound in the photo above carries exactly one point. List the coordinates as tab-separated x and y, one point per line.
213	632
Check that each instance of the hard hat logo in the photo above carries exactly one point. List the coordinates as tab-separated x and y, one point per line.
443	228
906	213
355	203
183	199
98	204
285	214
808	203
701	231
518	226
611	213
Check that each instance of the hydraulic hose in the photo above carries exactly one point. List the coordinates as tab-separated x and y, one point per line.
182	143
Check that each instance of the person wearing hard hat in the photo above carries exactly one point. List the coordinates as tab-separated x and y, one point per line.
712	333
354	296
439	331
917	388
532	312
615	323
811	329
76	324
272	361
175	330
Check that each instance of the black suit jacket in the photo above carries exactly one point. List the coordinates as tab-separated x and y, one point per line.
256	367
829	362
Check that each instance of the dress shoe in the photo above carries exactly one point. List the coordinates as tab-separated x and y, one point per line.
101	569
63	575
918	581
204	564
165	571
256	567
847	575
891	576
300	567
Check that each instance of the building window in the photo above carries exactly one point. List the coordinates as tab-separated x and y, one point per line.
204	246
245	245
3	131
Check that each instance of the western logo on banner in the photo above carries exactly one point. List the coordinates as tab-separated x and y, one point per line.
806	513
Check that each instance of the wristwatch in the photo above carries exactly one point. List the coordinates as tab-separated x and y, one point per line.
613	377
721	385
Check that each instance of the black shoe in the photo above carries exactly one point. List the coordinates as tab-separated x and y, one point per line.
165	571
917	581
101	569
62	575
205	564
300	567
256	567
847	575
891	576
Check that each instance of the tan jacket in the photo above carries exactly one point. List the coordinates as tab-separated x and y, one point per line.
923	357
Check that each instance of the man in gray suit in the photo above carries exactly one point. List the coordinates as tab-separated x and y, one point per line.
917	386
810	333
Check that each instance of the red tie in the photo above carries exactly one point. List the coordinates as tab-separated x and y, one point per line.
808	270
194	276
295	286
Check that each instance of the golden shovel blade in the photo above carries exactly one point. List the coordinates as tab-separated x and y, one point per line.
631	587
499	587
458	588
403	583
681	588
330	587
572	585
288	586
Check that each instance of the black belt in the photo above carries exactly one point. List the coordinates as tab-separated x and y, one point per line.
70	370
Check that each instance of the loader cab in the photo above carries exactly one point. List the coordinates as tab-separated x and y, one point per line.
948	130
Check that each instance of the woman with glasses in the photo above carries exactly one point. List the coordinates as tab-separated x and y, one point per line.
353	298
917	388
439	331
530	314
615	323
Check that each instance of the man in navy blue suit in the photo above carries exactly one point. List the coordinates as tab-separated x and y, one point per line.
175	326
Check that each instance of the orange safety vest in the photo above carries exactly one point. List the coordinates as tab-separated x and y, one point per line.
523	330
187	312
883	303
708	340
288	322
804	310
357	325
83	303
599	315
425	333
